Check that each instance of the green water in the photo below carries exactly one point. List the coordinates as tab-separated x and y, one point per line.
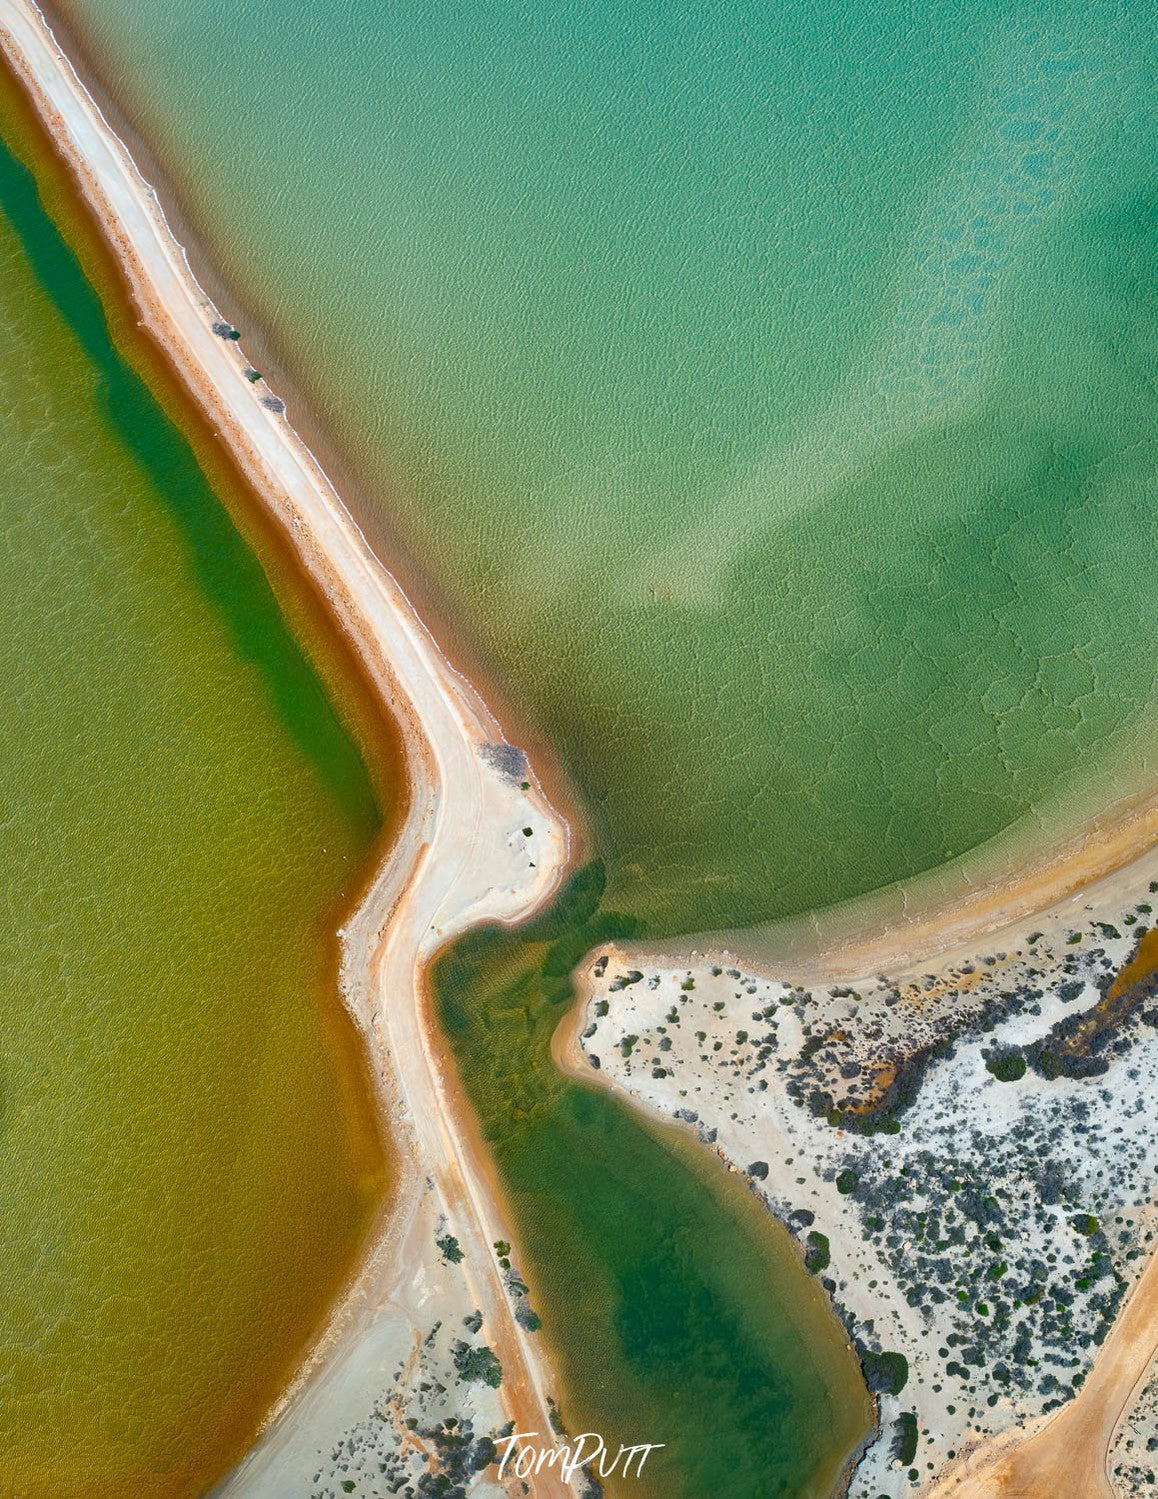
676	1315
188	1158
765	389
766	394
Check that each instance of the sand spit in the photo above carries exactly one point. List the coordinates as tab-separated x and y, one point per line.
964	1150
480	842
951	909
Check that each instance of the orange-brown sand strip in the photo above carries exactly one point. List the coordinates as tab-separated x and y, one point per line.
1067	1455
461	856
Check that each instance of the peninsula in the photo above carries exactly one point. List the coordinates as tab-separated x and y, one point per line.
953	1117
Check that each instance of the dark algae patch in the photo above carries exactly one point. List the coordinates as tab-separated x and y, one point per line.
226	569
674	1306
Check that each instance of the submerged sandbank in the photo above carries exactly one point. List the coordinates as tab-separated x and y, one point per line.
383	894
501	821
646	377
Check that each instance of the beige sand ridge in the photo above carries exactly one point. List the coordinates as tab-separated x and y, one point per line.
461	857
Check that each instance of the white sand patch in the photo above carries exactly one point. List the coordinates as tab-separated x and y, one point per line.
986	1230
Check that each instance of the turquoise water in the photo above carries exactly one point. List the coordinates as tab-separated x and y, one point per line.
764	391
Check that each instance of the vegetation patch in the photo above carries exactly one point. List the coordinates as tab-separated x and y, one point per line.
884	1373
816	1255
477	1365
451	1249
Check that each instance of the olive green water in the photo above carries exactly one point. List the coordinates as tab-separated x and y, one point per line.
767	393
188	1156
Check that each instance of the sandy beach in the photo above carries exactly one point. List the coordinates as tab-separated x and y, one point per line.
949	910
463	855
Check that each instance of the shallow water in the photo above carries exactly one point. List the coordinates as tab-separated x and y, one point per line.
676	1311
762	389
189	1161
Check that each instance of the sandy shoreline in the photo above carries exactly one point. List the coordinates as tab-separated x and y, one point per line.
360	491
941	912
462	855
991	1225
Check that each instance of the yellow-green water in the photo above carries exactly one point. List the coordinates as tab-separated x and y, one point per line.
188	1156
